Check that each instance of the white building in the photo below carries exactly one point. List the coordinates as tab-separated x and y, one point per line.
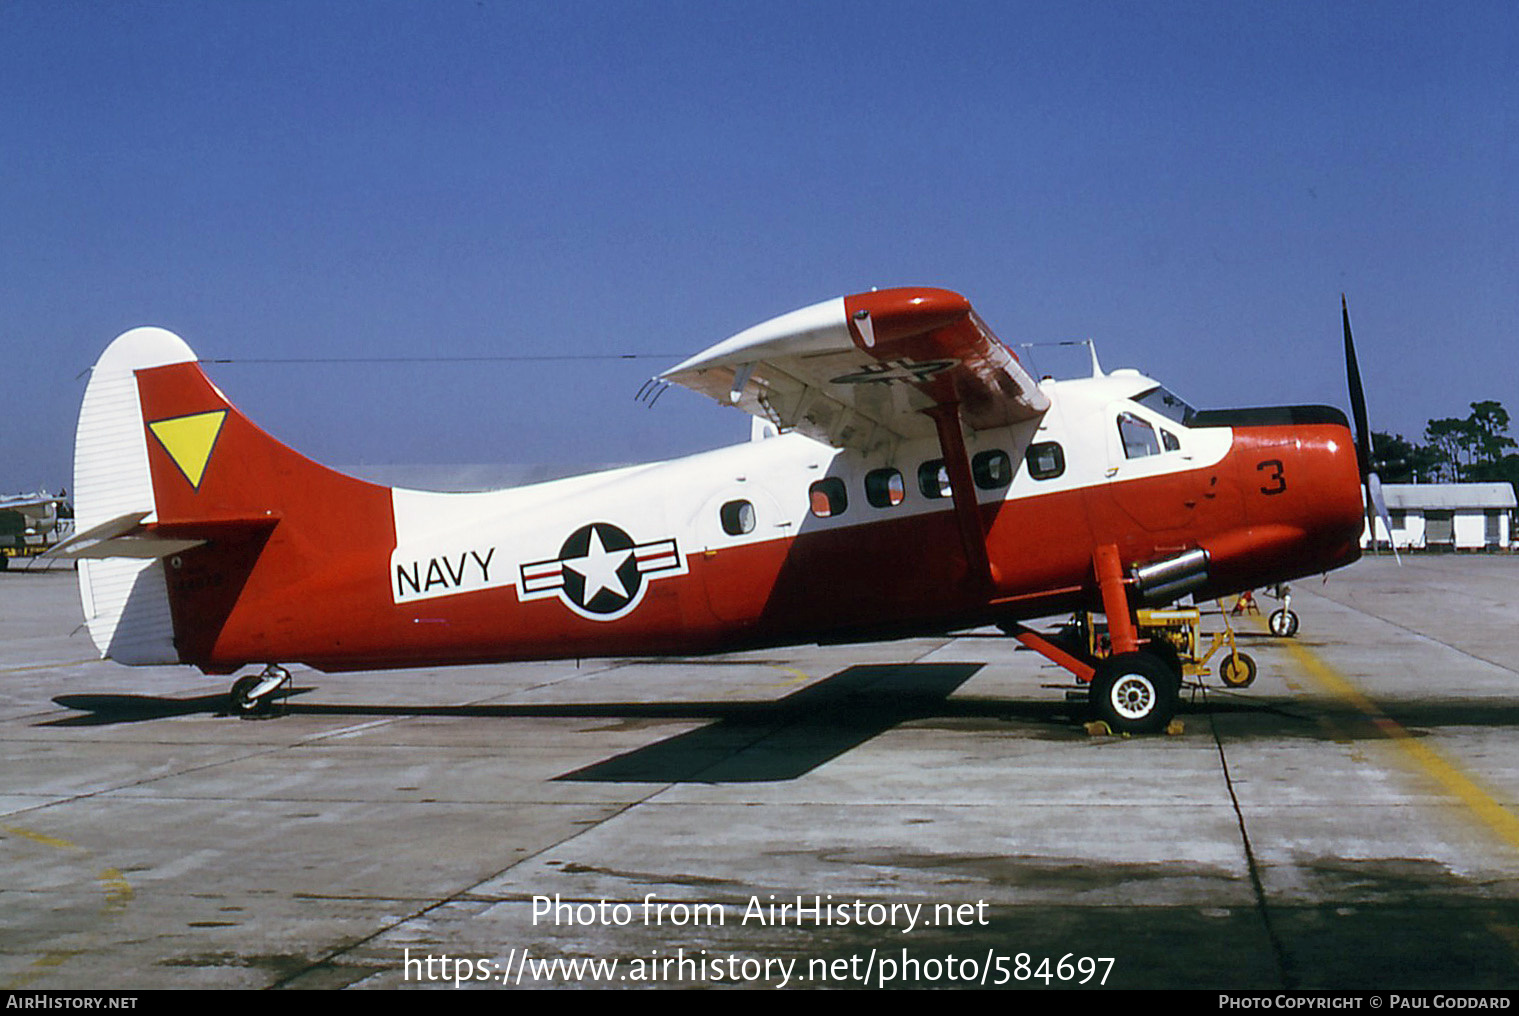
1447	516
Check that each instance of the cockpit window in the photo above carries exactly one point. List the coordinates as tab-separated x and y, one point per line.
1138	437
1167	405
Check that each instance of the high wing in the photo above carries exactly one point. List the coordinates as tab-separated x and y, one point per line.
22	502
865	371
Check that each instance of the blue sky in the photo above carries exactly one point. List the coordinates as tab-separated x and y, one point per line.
1191	185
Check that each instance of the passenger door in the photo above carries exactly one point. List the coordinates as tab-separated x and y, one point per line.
742	535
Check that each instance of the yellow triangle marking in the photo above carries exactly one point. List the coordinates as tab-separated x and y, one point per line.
189	440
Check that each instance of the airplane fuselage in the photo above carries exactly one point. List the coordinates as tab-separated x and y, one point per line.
781	540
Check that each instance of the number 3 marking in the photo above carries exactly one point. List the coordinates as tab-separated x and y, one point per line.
1275	465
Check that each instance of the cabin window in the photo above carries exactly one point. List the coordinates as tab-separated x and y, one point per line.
993	469
1171	442
828	498
933	479
1138	437
738	518
1046	460
884	488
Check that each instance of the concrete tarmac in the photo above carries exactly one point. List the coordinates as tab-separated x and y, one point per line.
929	812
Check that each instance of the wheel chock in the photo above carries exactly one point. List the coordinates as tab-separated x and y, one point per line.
1098	728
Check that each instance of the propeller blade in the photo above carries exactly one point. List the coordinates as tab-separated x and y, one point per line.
1374	492
1373	483
1357	395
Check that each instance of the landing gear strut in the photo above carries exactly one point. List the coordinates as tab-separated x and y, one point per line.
254	694
1135	671
1135	686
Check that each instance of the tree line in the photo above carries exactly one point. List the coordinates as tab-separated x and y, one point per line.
1476	449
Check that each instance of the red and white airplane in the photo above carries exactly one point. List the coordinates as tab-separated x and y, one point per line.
906	476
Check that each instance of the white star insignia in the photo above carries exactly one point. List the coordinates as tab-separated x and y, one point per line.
599	569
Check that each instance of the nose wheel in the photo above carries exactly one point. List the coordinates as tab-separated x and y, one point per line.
254	694
1283	623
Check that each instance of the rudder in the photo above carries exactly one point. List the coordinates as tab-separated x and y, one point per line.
126	602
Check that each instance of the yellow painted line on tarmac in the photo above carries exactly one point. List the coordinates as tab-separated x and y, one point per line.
1506	931
40	967
797	678
46	666
42	838
1447	774
118	893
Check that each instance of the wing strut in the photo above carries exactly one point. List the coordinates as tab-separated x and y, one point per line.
962	488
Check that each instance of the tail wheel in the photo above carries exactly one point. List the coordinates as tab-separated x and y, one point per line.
241	696
1237	670
1134	693
1283	623
254	695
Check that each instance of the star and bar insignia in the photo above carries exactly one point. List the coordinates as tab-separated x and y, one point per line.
895	370
601	573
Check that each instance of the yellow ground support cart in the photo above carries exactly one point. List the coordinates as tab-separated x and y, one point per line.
1176	634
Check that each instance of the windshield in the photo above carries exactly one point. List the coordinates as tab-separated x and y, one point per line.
1167	405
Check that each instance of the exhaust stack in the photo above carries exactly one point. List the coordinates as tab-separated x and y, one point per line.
1171	578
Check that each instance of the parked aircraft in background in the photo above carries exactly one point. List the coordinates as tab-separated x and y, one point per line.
32	523
907	476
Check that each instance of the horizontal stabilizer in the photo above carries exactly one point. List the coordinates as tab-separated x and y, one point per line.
123	536
128	536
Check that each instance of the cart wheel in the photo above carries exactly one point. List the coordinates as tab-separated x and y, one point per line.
1283	623
1237	670
1134	693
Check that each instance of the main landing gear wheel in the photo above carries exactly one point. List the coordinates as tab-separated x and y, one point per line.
1166	653
1283	623
1237	670
254	694
1135	693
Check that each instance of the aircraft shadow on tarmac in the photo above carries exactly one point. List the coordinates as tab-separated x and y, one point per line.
785	738
790	737
748	741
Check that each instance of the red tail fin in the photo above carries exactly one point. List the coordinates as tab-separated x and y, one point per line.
272	519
